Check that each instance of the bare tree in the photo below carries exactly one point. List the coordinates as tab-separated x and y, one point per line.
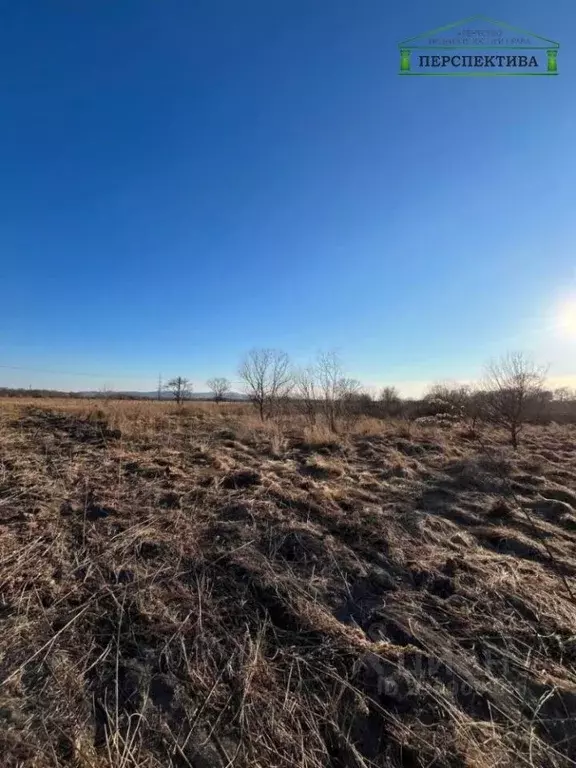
513	387
475	408
390	402
337	392
180	388
353	403
267	378
329	373
219	387
452	395
562	407
307	393
447	402
564	395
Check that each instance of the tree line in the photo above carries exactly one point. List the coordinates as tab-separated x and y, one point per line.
511	394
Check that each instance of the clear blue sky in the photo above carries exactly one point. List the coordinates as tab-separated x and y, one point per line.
181	180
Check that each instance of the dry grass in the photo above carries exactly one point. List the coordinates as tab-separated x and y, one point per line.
188	587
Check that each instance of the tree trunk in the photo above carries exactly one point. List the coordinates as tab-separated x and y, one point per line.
333	421
514	436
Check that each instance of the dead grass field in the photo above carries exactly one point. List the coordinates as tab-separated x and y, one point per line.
191	588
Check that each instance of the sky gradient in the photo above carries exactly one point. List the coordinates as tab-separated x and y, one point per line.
183	180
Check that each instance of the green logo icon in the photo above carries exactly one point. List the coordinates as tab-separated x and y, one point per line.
478	46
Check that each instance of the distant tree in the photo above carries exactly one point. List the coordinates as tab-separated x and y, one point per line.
540	406
330	374
180	388
268	379
564	395
307	393
513	385
390	402
219	387
355	402
337	392
475	409
323	389
562	406
450	399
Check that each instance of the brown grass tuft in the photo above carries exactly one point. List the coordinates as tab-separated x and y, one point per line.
191	587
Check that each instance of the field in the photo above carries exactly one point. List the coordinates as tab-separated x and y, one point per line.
189	587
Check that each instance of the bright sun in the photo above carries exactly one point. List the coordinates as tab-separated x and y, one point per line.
567	318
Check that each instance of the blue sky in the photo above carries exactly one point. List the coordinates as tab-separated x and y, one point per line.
183	180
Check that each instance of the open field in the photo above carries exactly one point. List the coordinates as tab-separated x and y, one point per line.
190	587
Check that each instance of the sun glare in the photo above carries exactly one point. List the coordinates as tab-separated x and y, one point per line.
566	318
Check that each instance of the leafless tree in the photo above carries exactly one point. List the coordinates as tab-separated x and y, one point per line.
267	378
453	395
562	406
336	390
475	408
390	402
513	385
307	393
564	395
354	402
180	388
219	387
448	402
329	373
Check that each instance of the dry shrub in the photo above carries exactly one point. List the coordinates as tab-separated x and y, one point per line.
319	436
